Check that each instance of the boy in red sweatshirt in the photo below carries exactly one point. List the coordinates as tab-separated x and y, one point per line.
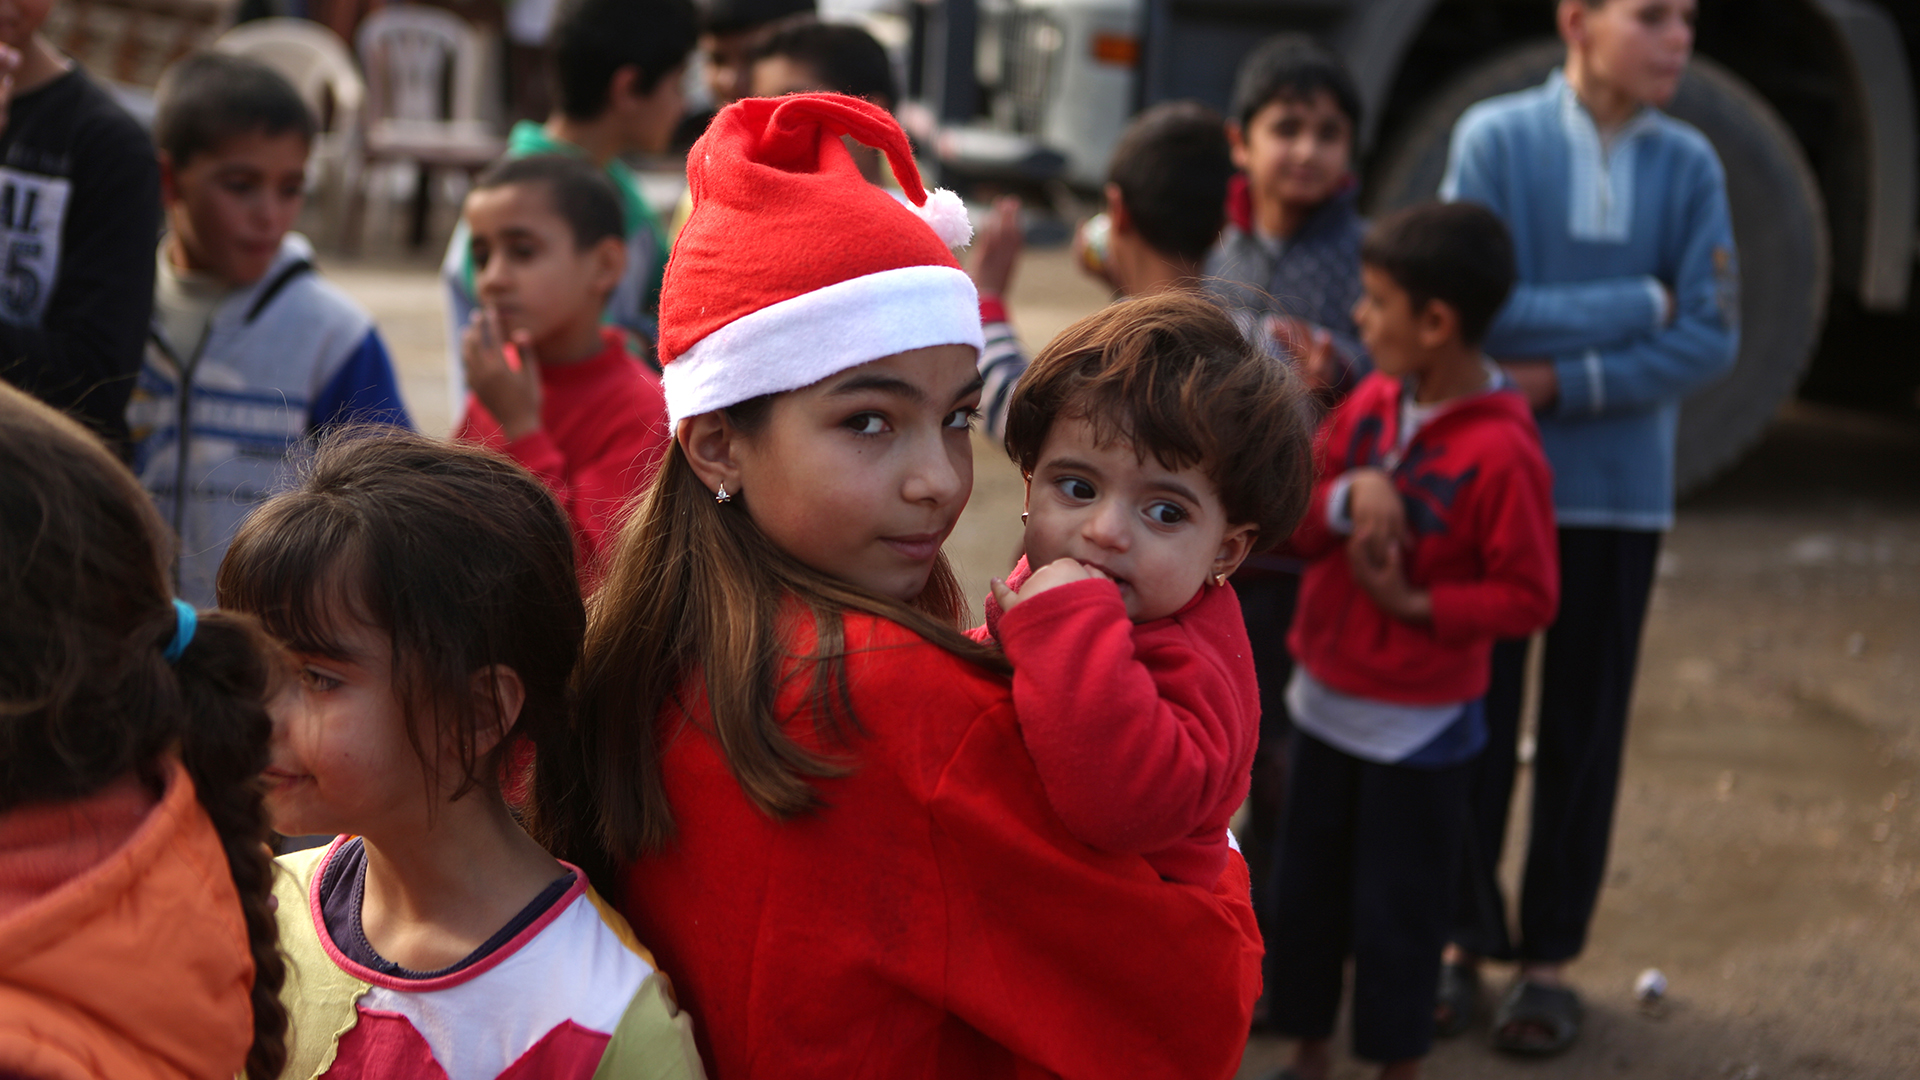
551	386
1160	447
1430	535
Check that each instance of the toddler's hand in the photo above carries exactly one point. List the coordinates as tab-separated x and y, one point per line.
1379	516
513	397
1051	576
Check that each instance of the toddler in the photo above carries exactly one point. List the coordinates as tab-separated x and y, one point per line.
426	592
1160	448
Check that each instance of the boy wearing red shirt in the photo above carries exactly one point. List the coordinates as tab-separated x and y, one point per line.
1160	447
552	387
1430	535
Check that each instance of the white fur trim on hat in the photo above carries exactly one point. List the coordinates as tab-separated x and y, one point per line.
803	339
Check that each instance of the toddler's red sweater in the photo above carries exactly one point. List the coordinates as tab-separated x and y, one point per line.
603	433
1143	734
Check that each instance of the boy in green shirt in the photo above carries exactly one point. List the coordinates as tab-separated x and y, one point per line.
618	68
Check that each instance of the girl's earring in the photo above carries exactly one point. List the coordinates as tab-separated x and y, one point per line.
1220	578
721	496
1023	517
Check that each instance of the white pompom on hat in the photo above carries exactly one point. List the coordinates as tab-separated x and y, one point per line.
793	268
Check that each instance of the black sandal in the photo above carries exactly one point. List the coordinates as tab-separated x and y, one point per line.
1531	1009
1459	996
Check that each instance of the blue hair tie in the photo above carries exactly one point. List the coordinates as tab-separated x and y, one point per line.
185	620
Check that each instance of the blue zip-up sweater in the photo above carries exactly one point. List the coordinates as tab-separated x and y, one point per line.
1597	230
282	360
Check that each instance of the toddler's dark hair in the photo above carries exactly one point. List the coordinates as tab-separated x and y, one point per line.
581	194
209	97
593	39
1292	67
1172	165
845	59
456	553
1457	253
1171	375
86	696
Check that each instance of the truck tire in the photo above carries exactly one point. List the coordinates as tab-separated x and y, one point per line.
1779	226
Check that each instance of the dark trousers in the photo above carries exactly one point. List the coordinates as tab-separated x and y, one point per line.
1585	690
1366	866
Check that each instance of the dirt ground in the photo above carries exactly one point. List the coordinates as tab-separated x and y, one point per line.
1768	833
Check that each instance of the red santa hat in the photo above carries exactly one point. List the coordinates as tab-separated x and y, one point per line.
793	268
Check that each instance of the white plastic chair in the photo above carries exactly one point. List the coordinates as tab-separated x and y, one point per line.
425	70
317	63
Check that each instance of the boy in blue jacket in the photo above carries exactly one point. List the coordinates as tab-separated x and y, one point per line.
1626	303
252	354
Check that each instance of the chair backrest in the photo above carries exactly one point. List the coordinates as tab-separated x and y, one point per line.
423	65
312	58
132	41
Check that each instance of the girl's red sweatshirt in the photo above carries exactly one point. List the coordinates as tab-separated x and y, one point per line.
1479	504
934	919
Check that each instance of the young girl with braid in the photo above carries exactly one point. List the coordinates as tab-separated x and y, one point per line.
426	591
136	937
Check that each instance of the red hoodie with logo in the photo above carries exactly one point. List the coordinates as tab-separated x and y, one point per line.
1479	503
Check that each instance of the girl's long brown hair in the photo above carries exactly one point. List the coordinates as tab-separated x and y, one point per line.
696	588
86	696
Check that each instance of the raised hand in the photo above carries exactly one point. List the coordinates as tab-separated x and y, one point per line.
511	395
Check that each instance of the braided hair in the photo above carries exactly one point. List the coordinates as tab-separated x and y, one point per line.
87	695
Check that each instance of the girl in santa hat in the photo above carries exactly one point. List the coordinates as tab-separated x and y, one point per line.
804	783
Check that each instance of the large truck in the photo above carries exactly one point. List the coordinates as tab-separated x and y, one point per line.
1810	103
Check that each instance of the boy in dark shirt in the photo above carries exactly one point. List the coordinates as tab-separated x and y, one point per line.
79	211
1290	252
